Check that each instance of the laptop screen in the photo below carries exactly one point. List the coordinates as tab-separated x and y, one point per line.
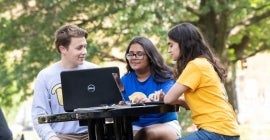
90	88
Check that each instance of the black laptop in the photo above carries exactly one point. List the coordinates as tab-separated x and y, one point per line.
89	88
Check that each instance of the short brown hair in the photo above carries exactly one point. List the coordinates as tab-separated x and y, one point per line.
64	34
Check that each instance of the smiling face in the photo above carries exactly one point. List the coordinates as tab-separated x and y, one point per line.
139	60
174	49
75	53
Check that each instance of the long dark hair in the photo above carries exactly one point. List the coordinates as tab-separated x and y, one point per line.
193	45
159	70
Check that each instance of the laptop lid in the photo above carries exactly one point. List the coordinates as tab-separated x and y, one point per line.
89	88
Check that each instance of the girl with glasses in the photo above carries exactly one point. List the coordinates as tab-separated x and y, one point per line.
147	73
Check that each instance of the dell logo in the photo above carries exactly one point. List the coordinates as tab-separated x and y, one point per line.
91	88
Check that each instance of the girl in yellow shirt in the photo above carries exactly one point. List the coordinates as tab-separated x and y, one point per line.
200	78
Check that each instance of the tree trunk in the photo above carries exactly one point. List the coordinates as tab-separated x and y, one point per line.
231	88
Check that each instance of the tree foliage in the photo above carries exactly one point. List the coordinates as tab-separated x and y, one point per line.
235	29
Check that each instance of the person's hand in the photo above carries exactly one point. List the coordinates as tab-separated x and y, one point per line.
54	138
138	97
156	96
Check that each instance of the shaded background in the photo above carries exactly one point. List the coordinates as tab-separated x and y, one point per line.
236	30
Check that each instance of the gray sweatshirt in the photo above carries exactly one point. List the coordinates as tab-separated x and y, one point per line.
48	100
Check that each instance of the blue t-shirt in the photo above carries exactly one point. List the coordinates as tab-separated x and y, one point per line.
131	85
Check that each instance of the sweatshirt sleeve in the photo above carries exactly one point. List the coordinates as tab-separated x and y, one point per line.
41	106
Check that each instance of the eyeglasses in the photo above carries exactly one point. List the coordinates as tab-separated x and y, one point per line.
138	55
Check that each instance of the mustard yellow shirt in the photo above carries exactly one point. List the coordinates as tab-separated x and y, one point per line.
207	98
